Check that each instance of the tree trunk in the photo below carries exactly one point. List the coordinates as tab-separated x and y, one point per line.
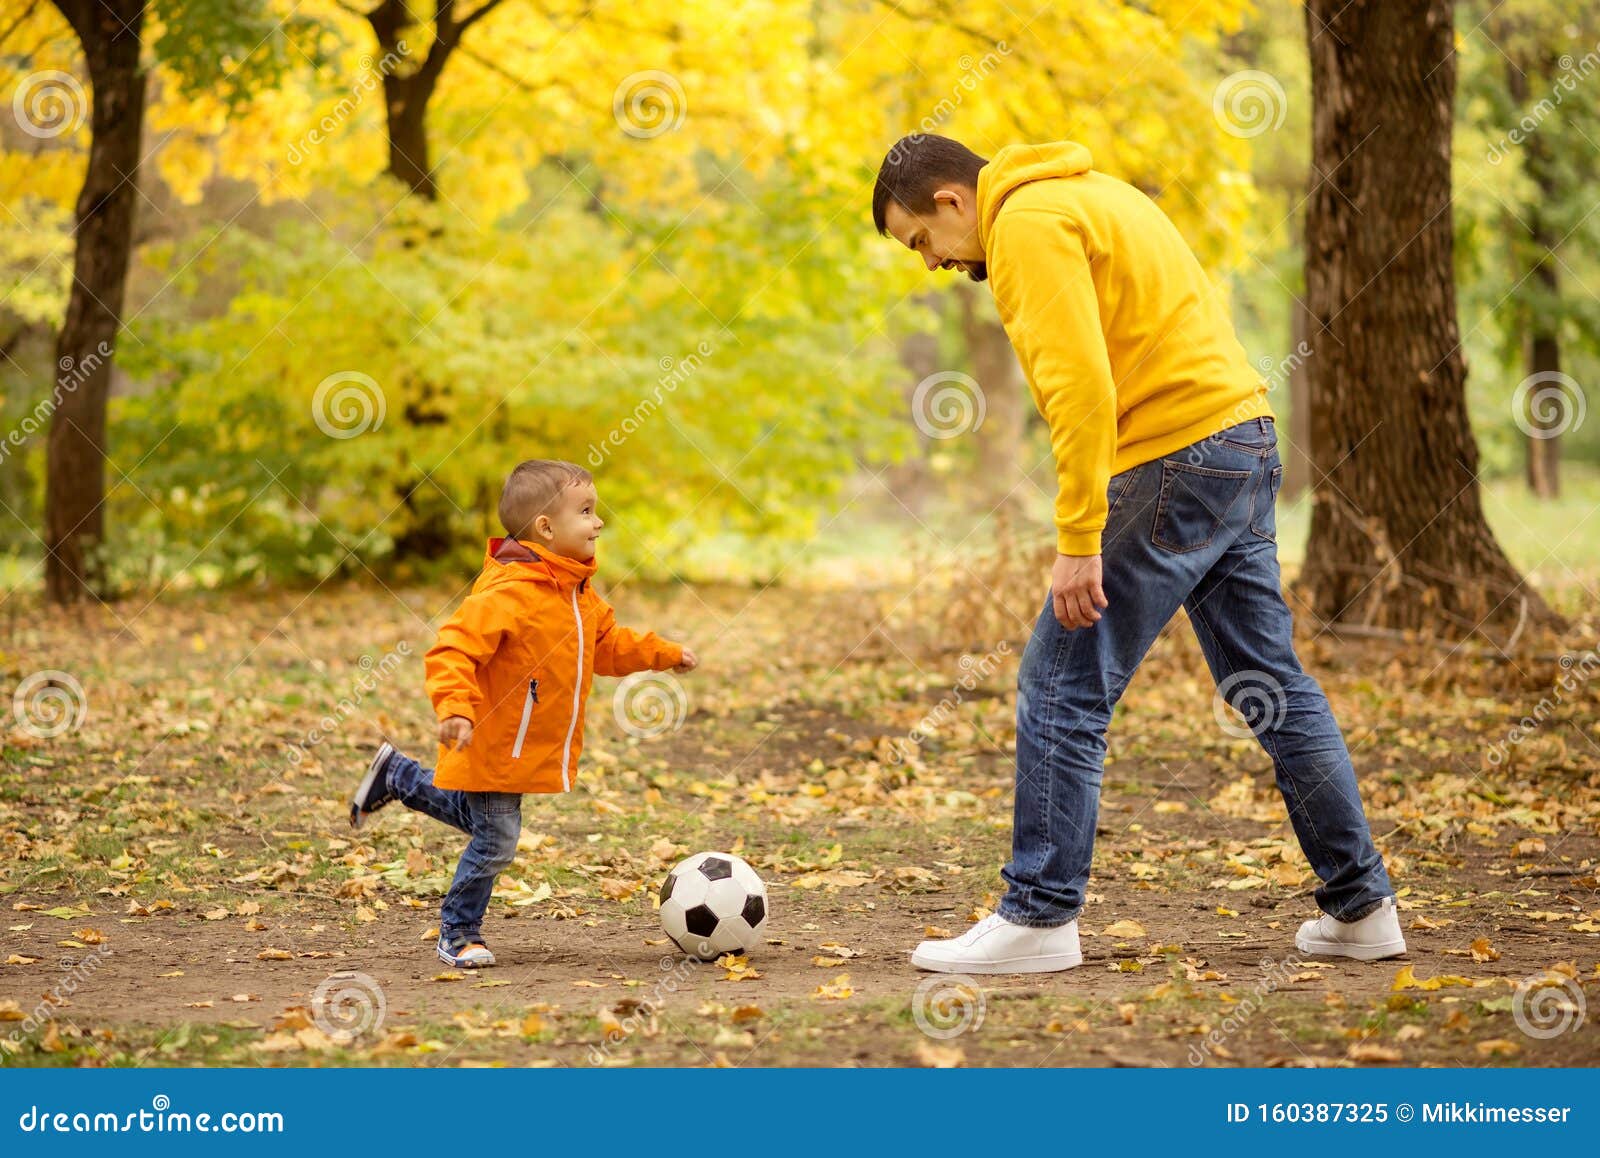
1544	446
406	107
75	482
1398	536
1545	419
994	364
406	93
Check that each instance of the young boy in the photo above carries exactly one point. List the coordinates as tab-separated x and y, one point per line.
509	679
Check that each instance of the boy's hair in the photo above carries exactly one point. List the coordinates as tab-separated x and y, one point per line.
532	488
915	168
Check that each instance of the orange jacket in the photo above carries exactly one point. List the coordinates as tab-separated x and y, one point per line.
517	659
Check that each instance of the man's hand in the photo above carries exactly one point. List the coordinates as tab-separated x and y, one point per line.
689	663
1075	587
455	733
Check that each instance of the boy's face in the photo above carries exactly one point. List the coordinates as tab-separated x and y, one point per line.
572	526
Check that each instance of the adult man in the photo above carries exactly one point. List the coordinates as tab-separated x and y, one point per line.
1168	469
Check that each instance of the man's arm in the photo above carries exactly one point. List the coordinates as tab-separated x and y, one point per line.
1043	289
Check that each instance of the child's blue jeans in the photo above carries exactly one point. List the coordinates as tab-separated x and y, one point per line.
1192	530
494	822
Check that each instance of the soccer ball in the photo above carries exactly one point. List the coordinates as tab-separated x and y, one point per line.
713	903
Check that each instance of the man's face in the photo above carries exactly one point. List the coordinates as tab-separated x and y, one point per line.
947	238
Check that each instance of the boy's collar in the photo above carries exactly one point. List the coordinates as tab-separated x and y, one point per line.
508	550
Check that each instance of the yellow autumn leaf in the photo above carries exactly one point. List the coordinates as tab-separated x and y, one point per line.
1125	930
837	989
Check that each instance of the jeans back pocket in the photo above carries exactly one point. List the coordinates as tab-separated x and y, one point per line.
1195	501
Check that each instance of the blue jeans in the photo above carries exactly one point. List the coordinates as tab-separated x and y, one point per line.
1195	529
494	822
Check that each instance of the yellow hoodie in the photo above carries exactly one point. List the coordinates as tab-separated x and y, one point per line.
1127	345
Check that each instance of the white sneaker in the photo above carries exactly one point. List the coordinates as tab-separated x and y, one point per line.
1373	937
995	945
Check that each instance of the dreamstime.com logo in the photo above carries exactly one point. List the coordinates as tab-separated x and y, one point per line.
347	404
1548	404
649	704
948	1005
49	104
1249	103
373	673
1254	695
948	404
1548	1005
48	703
349	1005
647	104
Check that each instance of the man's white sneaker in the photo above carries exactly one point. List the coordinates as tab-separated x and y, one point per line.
1373	937
995	945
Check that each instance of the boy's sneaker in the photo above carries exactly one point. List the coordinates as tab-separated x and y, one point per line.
995	945
475	955
1373	937
373	792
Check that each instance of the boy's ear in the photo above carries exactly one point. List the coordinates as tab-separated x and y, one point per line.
544	526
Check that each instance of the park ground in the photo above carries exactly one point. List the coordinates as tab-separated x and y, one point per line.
176	888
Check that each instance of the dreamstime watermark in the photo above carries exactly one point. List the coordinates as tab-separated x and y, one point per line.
649	704
370	77
1248	103
972	72
1274	975
1572	73
348	1005
948	404
948	1005
972	672
1576	671
1548	1005
48	703
674	373
373	673
49	104
1256	696
74	372
348	403
1548	404
649	103
77	974
1274	373
641	1015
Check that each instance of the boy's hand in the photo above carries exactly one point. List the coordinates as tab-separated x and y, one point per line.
455	733
689	663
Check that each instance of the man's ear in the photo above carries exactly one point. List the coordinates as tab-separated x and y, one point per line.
955	198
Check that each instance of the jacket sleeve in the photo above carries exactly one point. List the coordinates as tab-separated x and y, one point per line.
466	641
620	651
1044	292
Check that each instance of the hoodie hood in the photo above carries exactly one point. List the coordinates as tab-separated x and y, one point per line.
512	561
1015	166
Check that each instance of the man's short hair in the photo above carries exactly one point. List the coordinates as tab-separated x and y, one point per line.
916	168
531	490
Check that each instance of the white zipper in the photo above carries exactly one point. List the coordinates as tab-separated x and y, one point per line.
577	689
527	714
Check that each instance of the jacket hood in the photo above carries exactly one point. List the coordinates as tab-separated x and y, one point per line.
1017	165
513	561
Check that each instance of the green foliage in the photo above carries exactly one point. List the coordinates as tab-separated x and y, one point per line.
1525	154
230	49
713	384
